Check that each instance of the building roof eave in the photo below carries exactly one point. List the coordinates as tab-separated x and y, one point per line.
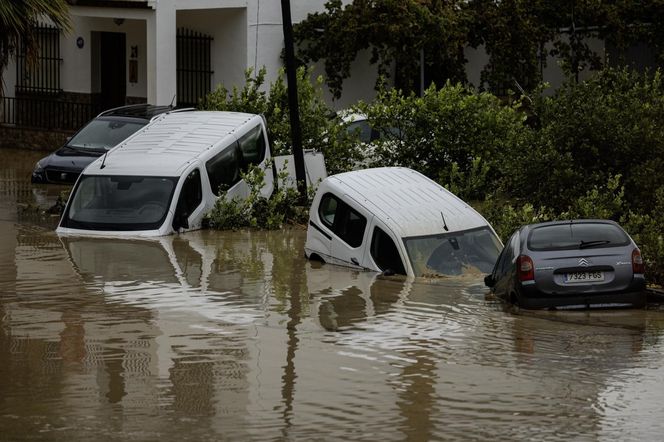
129	4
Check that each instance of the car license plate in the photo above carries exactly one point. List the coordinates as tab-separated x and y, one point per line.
581	277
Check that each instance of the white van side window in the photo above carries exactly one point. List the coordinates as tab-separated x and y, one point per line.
224	169
348	224
327	210
252	147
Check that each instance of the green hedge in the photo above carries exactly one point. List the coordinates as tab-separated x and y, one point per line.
590	150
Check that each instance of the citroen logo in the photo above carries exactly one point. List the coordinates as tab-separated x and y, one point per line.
583	262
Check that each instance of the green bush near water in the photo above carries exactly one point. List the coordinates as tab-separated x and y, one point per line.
320	131
590	150
256	211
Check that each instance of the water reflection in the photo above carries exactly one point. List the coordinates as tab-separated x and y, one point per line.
234	335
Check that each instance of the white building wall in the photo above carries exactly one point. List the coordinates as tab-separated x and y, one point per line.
360	86
553	74
477	59
265	42
76	75
246	33
9	78
228	28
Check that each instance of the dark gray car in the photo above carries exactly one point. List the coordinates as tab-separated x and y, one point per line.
100	134
570	264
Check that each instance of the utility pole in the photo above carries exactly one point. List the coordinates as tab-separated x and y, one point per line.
296	131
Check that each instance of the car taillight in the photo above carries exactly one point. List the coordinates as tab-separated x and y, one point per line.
637	262
525	268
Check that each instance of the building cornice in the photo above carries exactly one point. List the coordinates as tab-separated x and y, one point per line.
127	4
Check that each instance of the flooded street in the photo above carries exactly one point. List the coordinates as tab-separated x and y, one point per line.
235	336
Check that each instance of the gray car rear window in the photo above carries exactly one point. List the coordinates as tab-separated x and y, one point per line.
576	236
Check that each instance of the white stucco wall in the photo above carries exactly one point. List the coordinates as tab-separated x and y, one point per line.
246	33
228	28
360	86
265	41
9	79
75	70
552	73
477	59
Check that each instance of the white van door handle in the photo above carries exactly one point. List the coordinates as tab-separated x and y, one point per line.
354	261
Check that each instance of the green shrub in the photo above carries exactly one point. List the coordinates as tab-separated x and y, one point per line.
507	216
610	124
452	134
320	132
283	206
648	233
592	150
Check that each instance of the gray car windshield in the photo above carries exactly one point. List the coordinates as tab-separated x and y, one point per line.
119	203
571	236
102	134
466	252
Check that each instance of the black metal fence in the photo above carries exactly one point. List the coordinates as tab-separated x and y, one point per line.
42	76
194	67
45	113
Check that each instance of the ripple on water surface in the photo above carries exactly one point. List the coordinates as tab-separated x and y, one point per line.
234	336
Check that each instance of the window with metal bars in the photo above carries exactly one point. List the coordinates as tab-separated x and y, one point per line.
194	67
42	76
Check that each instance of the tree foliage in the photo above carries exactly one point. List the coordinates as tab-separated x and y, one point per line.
395	32
18	19
518	36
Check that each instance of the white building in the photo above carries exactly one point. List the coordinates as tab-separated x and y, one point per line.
126	51
166	51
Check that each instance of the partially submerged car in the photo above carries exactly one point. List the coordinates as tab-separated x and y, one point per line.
570	264
397	221
166	177
93	140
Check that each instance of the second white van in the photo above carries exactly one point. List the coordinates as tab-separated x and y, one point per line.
397	221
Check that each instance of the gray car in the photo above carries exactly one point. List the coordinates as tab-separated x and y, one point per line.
100	134
570	264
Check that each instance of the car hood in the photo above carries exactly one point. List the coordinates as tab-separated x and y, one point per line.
69	159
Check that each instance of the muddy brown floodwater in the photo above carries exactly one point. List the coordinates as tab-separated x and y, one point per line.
235	336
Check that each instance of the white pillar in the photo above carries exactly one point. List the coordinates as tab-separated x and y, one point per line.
161	43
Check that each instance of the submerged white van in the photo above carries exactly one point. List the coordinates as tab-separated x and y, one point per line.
397	221
167	176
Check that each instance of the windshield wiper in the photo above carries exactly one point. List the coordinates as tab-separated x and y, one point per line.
587	244
88	151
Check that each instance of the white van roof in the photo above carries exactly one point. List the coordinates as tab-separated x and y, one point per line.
409	203
170	143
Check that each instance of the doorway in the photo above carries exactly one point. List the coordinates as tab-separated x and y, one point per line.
112	69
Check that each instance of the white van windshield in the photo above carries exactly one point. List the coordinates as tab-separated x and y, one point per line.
456	253
119	203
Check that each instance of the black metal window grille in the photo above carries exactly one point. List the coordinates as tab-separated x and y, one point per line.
42	76
194	67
